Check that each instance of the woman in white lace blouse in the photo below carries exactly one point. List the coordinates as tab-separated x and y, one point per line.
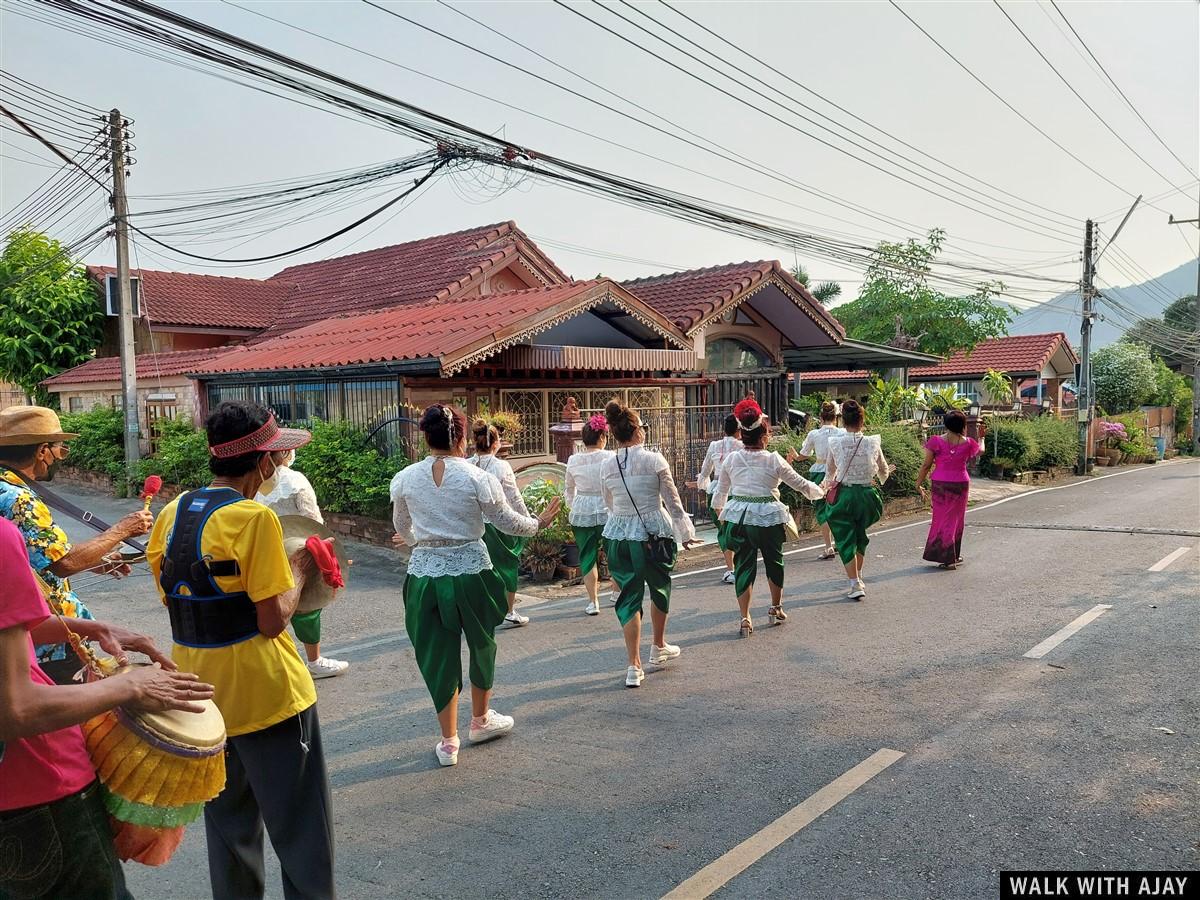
504	549
291	494
855	460
636	483
584	497
816	445
748	499
710	471
451	590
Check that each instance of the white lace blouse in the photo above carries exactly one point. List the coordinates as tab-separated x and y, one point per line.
756	474
650	483
444	524
816	444
503	472
292	496
862	467
583	492
710	469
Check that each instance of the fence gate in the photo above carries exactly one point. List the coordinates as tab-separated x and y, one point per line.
155	413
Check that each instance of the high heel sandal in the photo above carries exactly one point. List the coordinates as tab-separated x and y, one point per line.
746	629
777	615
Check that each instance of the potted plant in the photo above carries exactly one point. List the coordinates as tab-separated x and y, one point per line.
1001	465
541	557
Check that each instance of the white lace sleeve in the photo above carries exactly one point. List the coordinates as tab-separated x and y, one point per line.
794	480
706	468
681	522
881	463
306	499
512	493
401	520
724	485
569	488
809	447
495	507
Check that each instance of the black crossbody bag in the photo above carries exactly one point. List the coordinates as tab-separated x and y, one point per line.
659	550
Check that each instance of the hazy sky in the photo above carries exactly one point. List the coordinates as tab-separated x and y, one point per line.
196	132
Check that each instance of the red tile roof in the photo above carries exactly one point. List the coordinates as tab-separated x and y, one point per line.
456	332
149	367
691	298
406	273
207	301
1016	354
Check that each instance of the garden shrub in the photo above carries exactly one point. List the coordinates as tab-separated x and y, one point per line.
903	449
181	457
348	474
1013	441
537	496
1138	442
100	446
1057	441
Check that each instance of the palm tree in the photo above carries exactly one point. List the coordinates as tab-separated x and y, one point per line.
825	292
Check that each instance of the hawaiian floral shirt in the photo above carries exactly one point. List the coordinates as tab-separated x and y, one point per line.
46	544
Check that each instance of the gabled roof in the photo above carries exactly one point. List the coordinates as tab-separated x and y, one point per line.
1016	354
696	297
412	272
205	301
149	367
451	333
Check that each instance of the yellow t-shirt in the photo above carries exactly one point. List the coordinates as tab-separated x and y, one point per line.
259	681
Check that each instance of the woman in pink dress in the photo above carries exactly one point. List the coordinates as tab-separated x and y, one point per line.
948	456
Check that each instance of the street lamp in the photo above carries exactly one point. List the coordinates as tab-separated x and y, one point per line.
920	414
973	410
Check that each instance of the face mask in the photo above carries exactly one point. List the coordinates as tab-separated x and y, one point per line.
269	484
51	467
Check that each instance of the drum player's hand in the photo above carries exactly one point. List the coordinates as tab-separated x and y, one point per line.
135	523
113	565
303	565
156	689
118	642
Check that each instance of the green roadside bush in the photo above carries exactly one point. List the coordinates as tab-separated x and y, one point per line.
1057	441
1014	441
181	457
1138	442
348	474
100	446
903	450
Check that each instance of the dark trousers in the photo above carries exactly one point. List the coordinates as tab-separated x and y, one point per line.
60	849
272	779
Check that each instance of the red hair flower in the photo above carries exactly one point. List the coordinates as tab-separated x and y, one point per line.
598	423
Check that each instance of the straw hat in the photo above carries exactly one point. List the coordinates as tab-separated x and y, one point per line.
315	594
31	425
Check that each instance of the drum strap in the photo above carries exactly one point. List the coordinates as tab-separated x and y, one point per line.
202	615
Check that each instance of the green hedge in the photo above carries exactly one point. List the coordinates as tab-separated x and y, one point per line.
1033	443
347	474
100	446
1013	441
903	450
181	457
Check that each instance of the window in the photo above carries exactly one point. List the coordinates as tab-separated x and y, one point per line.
530	408
156	412
733	355
74	404
112	303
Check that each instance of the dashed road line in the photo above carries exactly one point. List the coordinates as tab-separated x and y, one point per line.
1168	559
1065	632
719	872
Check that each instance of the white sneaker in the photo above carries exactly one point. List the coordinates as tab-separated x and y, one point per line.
858	591
634	677
728	578
660	655
324	667
492	726
515	620
447	752
593	608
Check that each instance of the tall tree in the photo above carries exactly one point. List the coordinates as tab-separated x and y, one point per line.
826	291
1179	316
49	317
898	306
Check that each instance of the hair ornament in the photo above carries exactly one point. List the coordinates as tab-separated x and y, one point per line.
747	408
598	423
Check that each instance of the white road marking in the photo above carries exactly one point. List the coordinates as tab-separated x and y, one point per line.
1168	559
1065	632
719	872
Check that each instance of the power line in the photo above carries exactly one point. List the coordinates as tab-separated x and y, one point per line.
1008	105
1080	96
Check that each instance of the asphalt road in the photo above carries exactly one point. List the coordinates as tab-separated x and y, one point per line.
1087	758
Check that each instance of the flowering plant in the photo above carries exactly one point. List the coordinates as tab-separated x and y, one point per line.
1113	431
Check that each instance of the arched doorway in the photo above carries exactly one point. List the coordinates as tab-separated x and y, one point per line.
739	367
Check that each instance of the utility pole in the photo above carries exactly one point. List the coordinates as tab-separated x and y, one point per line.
1171	220
116	132
1086	402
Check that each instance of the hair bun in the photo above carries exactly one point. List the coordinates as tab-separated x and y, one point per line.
615	411
479	426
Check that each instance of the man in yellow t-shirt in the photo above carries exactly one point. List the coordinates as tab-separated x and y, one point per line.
230	589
